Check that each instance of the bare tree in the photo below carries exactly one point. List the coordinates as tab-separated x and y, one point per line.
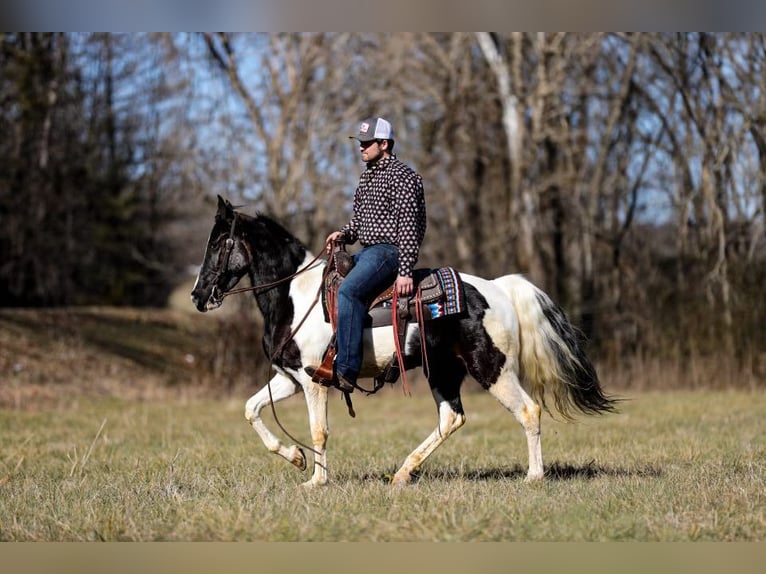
521	212
299	104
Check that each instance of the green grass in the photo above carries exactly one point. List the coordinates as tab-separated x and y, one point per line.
680	466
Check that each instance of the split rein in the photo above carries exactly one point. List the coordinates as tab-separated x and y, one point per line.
228	246
265	286
224	264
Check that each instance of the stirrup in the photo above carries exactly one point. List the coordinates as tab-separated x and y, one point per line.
324	374
390	373
321	376
329	379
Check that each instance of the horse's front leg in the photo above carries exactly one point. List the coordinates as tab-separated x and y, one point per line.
282	387
316	403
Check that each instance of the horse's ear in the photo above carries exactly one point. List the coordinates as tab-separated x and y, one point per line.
225	210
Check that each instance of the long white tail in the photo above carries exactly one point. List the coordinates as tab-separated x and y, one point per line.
552	358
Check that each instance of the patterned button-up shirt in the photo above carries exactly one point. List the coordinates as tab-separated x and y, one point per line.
389	207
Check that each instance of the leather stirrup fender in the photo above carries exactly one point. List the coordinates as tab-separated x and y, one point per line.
400	314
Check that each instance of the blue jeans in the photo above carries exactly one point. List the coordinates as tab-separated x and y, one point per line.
375	269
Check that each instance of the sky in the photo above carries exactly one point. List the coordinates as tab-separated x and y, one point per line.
393	15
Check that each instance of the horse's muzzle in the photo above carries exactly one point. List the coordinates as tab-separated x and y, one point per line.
215	300
198	303
203	305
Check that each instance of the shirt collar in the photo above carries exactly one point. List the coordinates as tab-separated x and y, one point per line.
381	164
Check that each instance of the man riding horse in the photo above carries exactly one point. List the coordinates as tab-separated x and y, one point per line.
389	220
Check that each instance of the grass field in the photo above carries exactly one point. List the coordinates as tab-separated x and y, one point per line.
676	466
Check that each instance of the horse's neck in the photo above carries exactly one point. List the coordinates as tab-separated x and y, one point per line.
275	252
287	304
273	302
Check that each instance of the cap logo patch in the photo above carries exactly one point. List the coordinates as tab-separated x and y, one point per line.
364	128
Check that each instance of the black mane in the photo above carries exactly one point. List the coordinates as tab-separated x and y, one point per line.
277	254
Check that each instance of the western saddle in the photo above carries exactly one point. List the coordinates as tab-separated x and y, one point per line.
432	289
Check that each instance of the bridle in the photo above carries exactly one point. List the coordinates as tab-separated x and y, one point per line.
223	262
223	265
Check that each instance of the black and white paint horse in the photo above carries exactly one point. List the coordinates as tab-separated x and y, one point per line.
513	340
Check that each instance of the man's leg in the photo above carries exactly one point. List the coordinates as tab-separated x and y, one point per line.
375	269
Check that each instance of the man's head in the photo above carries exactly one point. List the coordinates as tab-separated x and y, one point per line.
376	138
374	129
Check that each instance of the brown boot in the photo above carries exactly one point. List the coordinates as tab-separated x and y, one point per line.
329	379
324	374
321	375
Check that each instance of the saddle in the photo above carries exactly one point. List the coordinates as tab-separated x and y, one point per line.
437	293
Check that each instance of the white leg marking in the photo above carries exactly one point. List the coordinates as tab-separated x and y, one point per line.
282	387
512	396
449	422
316	403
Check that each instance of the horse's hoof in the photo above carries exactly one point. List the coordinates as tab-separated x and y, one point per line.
311	484
401	479
536	477
298	458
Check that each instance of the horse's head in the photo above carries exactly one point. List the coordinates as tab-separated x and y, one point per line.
226	260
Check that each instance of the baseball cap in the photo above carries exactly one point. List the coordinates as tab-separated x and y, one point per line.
374	129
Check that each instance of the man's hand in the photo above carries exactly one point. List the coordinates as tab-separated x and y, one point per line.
332	238
404	285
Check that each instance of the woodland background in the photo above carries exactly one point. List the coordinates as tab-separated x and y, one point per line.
623	173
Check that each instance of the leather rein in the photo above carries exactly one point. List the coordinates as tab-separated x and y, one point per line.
224	260
224	263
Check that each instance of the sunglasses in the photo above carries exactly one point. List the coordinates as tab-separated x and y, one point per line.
365	145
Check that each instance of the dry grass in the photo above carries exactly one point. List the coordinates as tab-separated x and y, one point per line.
108	431
50	356
672	467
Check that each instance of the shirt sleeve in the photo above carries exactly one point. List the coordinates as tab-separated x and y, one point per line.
351	229
412	222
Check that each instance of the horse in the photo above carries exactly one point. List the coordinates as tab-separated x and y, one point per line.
512	339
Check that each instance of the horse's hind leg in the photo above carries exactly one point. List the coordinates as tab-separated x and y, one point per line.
512	396
282	387
449	421
445	378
